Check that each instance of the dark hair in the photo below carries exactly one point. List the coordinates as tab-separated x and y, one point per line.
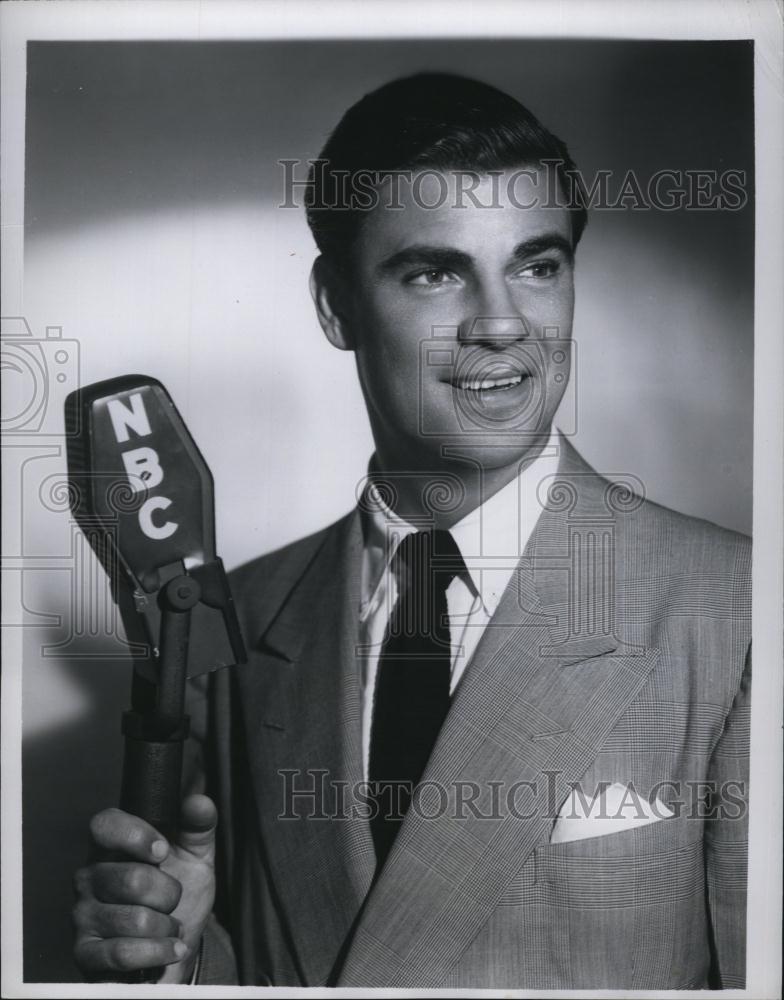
436	120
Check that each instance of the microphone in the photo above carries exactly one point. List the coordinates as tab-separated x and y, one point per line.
144	497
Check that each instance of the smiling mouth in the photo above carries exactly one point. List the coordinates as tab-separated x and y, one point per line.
494	384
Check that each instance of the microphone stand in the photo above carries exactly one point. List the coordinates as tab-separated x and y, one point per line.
155	734
161	602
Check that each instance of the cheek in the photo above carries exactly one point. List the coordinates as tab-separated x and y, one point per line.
547	309
567	310
389	335
388	359
549	327
559	308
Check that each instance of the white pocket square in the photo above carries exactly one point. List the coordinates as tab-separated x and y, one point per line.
611	809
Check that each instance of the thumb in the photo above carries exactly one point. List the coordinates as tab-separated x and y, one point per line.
198	819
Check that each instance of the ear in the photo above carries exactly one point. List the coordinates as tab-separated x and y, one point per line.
326	288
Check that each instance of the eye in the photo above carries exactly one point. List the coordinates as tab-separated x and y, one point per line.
540	269
430	277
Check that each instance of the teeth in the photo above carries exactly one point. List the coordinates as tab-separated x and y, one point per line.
494	383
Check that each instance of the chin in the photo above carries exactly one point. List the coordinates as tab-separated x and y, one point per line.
499	453
486	450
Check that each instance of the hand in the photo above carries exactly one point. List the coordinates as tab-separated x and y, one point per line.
144	902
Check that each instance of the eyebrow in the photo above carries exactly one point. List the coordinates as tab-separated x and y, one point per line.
450	259
541	244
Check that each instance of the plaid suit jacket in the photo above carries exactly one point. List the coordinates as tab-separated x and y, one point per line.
618	654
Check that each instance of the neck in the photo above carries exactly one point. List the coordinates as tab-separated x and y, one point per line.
451	488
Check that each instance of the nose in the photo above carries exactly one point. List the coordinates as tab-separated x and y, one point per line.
496	323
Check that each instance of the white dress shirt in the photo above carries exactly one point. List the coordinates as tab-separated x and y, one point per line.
491	540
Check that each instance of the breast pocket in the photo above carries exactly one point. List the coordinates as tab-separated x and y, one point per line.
627	908
664	857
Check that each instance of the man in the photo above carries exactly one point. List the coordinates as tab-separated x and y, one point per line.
493	727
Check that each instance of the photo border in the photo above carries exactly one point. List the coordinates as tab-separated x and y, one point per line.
193	20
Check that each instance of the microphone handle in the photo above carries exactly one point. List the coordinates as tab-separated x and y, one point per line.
152	772
152	764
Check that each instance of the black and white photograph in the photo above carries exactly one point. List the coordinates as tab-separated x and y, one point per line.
393	452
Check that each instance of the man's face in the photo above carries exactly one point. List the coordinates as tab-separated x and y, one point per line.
460	318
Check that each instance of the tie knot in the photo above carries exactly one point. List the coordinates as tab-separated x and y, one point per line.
431	556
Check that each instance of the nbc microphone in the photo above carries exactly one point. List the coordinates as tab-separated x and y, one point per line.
144	497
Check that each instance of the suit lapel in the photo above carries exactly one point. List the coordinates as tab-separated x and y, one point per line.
300	700
547	683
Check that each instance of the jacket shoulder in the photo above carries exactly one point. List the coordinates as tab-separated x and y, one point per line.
685	569
649	527
660	553
693	541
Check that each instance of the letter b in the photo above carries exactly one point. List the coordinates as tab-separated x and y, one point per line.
143	468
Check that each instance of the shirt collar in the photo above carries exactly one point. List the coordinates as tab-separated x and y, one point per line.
491	538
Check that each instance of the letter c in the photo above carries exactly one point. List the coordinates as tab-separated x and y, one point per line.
145	518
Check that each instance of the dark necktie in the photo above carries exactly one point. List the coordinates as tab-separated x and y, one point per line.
412	684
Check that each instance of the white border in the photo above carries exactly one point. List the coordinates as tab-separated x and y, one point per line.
202	20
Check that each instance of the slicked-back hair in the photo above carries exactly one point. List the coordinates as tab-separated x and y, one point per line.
437	121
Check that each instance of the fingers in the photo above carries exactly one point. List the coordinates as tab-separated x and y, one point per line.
125	898
126	954
106	920
130	883
198	819
116	832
